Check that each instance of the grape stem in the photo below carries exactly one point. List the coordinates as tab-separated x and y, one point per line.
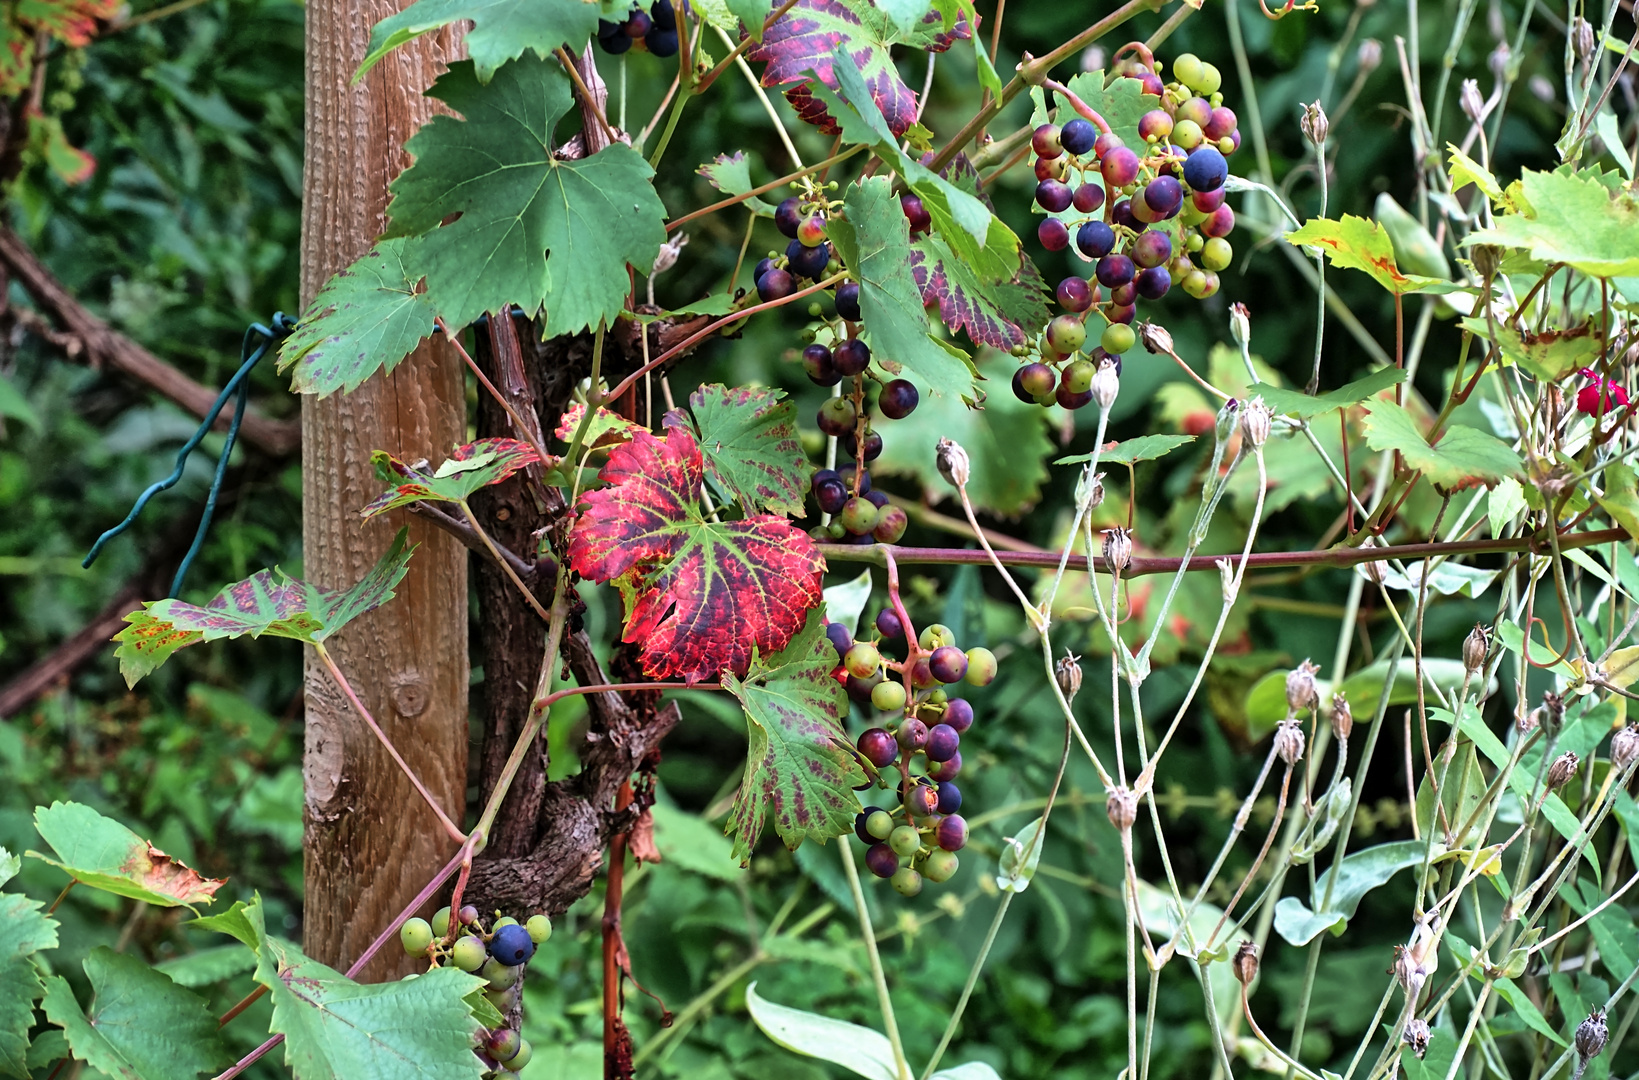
735	200
1077	104
902	1068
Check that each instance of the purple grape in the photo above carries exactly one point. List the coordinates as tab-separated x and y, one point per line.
816	361
1053	196
1106	142
1018	388
1078	136
1121	313
952	833
1088	197
839	637
948	664
821	476
898	399
1114	270
1151	249
1037	379
851	357
959	714
831	496
915	213
859	824
661	43
805	261
847	475
878	499
664	15
877	746
1205	169
888	624
1053	234
873	450
1124	295
848	300
1221	222
921	800
1095	239
947	770
760	269
882	861
1222	123
860	689
1164	195
1120	167
942	742
1072	401
1208	201
638	24
837	416
1045	142
912	734
1153	282
1122	214
1074	294
950	798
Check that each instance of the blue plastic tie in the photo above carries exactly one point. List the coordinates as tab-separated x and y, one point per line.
239	387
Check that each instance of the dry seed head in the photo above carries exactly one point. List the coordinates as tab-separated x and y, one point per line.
1155	337
1240	324
1553	712
1369	54
1415	1035
1289	741
1625	747
1406	972
1089	489
952	462
1486	259
1473	104
1245	963
1583	37
1314	123
1527	722
1121	805
1118	549
1591	1035
1300	688
669	251
1068	673
1342	718
1106	383
1475	648
1561	771
1255	419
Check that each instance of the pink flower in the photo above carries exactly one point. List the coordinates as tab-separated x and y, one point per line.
1587	398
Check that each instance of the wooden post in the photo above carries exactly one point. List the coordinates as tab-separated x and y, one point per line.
370	842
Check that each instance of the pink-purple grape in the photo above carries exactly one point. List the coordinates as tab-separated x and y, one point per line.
1197	110
851	357
921	800
1121	313
950	798
1122	214
1151	249
915	213
898	399
1105	143
1219	223
959	713
888	624
881	860
1124	295
1114	270
1153	282
1119	167
1045	142
763	266
943	741
1053	234
948	769
1208	201
1052	168
639	24
912	734
1033	381
1220	123
1069	400
951	834
1153	85
1054	196
878	747
1088	197
1074	294
837	416
831	495
776	284
948	663
891	524
1095	239
1155	124
816	361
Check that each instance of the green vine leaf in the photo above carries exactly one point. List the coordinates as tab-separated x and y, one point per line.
468	468
1463	453
1296	403
731	174
1132	451
749	440
532	230
1620	501
261	604
501	29
1572	219
1358	244
1548	356
103	854
24	930
798	758
701	596
368	317
142	1026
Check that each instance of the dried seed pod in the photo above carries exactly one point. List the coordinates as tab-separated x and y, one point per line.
1289	741
1342	718
1407	973
1245	963
1625	747
1561	771
1068	673
1486	259
1582	35
1553	712
1591	1035
1300	688
952	462
1527	722
1314	123
1155	337
1471	101
1415	1035
1255	419
1118	549
1090	489
1240	323
1369	55
1106	383
1121	805
1476	647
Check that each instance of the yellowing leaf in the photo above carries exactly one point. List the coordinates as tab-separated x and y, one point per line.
1465	170
1575	220
1620	500
100	852
1358	244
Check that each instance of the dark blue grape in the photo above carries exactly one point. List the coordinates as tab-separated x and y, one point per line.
808	262
1095	239
1205	169
821	476
1114	270
776	284
851	357
511	946
831	496
638	24
848	300
878	499
898	399
942	742
788	215
859	823
816	361
839	636
1154	282
663	14
873	448
1077	137
762	267
847	474
950	798
888	624
1164	195
615	43
1053	196
882	861
661	43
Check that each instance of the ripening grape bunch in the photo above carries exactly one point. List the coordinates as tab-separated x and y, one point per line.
656	28
498	955
1148	217
916	745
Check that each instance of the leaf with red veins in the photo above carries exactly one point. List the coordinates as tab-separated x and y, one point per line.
801	42
468	468
606	429
700	595
749	439
1000	314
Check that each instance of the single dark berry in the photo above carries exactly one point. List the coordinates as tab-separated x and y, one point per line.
888	624
837	416
1088	197
816	361
877	746
847	475
663	14
959	714
915	213
808	262
1154	282
950	798
1068	400
1053	234
1151	249
1045	142
942	742
878	499
1114	270
831	496
1205	169
873	447
1078	136
511	946
776	284
859	824
788	216
848	300
661	43
898	399
1124	295
1122	214
1054	196
952	833
912	734
1120	313
1223	122
860	690
608	29
1074	294
948	664
839	636
1164	195
882	861
638	24
1095	239
762	267
946	770
851	357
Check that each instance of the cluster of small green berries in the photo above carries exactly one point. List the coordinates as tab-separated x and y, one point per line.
919	731
497	955
1178	173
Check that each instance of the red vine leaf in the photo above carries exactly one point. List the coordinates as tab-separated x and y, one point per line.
607	428
798	757
801	42
700	595
468	468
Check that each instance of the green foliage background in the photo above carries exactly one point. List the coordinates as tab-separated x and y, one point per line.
188	230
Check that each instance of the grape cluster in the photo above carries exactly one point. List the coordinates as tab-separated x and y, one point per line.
498	956
1124	196
656	28
920	731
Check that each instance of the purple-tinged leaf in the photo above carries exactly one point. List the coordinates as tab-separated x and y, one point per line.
468	468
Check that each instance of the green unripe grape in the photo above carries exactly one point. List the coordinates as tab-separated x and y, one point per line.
906	882
862	660
905	840
1190	217
937	697
1187	135
981	667
1209	82
469	953
1066	334
889	697
539	927
1187	69
521	1058
880	824
940	866
934	635
1196	284
501	999
1195	242
1117	339
1216	253
836	531
505	920
1226	146
499	975
441	922
415	935
815	311
1078	377
858	516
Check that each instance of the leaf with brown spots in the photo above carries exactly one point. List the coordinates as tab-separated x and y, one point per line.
100	852
700	595
749	440
468	468
1359	244
268	602
798	758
